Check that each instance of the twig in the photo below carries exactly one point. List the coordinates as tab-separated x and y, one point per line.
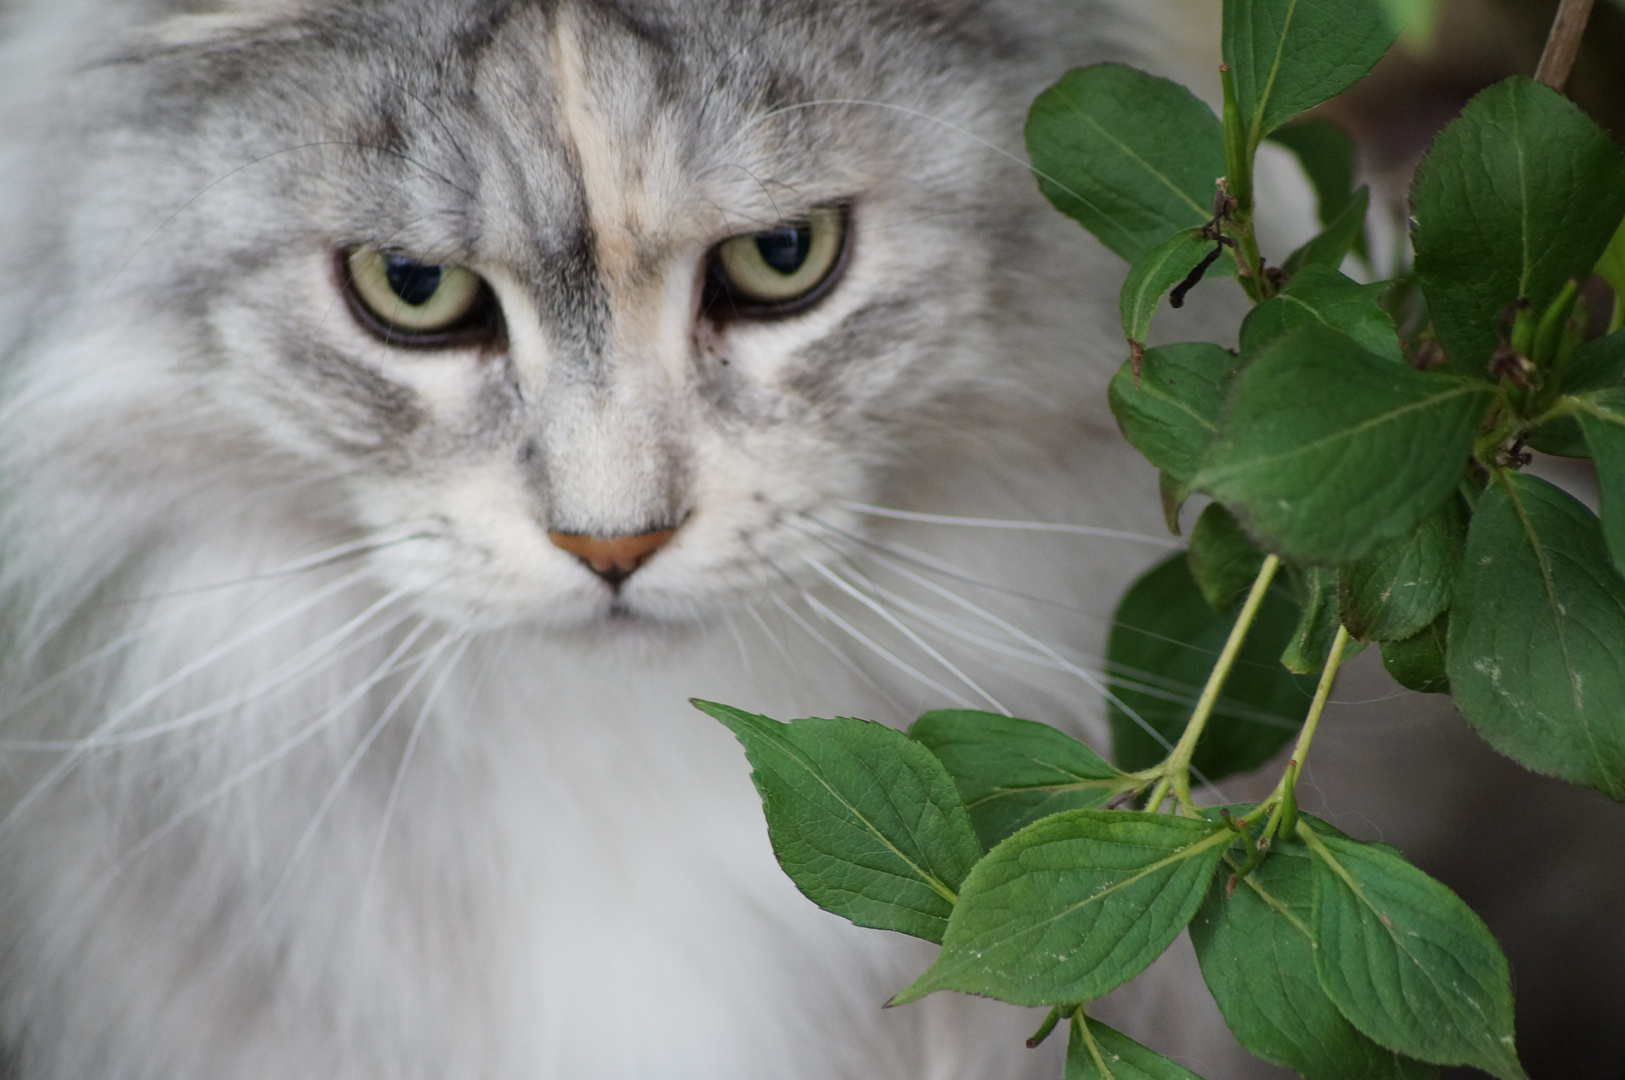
1563	43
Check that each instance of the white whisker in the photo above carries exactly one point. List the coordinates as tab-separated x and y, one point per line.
129	858
125	640
70	759
1014	526
857	594
353	762
1089	679
463	642
389	666
767	632
881	651
841	656
313	659
739	641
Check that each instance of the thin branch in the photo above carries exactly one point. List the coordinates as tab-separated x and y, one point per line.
1563	43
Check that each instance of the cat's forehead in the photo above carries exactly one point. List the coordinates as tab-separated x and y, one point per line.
652	119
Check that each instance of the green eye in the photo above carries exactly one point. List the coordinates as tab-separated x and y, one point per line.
779	270
409	302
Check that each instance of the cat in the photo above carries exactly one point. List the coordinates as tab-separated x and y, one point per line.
406	406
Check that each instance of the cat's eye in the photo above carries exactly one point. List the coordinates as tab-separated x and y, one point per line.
777	271
413	303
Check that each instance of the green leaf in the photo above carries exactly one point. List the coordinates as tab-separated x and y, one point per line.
1599	364
1536	625
1311	642
1257	956
1222	560
1173	413
1417	662
863	819
1119	1057
1343	235
1326	152
1327	450
1322	297
1515	197
1406	961
1290	55
1129	156
1162	646
1402	586
1561	437
1012	772
1153	274
1073	906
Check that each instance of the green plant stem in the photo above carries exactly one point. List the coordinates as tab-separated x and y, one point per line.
1328	674
1283	802
1158	793
1238	160
1177	773
1238	178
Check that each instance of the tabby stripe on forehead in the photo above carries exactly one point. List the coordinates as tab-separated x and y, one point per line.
614	195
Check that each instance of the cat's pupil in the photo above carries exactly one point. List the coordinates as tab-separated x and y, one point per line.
785	248
412	281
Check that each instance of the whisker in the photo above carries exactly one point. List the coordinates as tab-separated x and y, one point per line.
773	638
392	664
945	569
840	655
739	641
856	594
1014	526
383	671
352	763
464	640
310	660
880	650
1087	677
71	759
334	556
51	682
833	649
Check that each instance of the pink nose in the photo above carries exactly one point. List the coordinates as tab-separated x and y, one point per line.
613	558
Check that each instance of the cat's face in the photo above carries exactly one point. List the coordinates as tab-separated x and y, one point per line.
613	369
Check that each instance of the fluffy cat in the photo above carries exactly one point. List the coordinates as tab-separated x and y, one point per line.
393	437
407	405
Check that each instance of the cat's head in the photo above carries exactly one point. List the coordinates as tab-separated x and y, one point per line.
591	306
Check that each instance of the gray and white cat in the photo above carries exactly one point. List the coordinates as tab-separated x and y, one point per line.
406	405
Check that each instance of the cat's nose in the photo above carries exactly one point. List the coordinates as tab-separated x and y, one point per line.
613	558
